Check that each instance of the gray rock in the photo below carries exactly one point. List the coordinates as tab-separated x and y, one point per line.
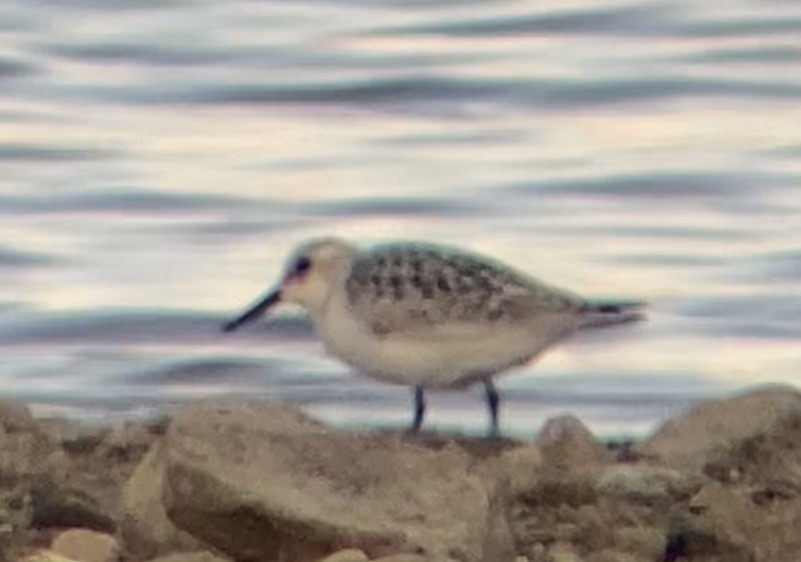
646	483
73	436
47	556
646	543
563	552
144	525
56	504
610	555
23	448
404	558
347	555
522	467
261	482
565	428
739	527
691	440
126	443
86	546
565	440
716	528
15	416
200	556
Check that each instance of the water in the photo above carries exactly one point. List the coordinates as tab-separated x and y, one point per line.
159	160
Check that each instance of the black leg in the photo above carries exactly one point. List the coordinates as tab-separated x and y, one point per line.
493	401
419	409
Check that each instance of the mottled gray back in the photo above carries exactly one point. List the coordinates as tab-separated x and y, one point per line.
405	287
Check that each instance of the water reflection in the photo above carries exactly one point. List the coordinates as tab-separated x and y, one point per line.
160	161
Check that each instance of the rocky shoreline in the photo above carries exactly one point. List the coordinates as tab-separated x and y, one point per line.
258	482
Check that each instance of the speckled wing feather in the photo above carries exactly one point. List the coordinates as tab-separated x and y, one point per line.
418	288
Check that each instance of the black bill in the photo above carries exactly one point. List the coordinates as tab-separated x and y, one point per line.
253	312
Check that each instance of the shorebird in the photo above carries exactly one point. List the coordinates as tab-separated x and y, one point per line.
430	316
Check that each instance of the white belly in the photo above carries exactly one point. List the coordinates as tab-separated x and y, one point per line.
436	359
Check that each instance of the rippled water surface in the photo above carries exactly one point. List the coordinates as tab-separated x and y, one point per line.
159	160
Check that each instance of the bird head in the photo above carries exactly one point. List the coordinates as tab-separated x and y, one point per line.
311	274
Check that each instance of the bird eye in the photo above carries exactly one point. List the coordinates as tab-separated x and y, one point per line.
302	265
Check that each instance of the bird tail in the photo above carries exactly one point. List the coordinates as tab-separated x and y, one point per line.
597	314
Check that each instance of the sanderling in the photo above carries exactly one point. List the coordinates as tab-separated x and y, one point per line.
430	316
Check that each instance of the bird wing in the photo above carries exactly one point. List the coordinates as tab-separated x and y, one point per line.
419	290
